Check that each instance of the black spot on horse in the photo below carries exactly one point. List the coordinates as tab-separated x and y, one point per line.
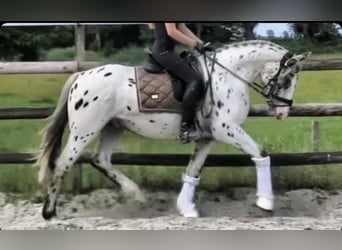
107	74
131	80
130	85
82	73
223	125
54	190
228	111
75	87
85	104
129	108
85	93
152	121
78	104
71	90
82	137
217	113
70	159
87	135
95	98
100	70
219	104
253	51
241	56
75	138
90	72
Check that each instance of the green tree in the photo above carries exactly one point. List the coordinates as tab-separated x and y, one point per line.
270	34
316	32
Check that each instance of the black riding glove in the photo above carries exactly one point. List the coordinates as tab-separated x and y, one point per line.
203	47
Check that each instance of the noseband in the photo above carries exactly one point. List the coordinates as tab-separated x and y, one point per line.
274	87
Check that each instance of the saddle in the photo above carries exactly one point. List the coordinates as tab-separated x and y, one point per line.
158	90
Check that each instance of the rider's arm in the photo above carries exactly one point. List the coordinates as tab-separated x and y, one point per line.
175	34
186	31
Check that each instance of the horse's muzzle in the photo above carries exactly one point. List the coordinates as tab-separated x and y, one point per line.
282	112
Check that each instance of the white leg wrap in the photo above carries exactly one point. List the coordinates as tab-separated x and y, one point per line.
185	200
264	183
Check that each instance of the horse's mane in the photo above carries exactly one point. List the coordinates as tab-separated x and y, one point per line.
259	43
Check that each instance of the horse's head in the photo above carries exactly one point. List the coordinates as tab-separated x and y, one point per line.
280	81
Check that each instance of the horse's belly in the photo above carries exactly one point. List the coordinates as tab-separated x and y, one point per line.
154	126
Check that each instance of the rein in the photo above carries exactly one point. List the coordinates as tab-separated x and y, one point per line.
255	86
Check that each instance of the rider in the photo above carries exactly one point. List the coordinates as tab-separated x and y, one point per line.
167	35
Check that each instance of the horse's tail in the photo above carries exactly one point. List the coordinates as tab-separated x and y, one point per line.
52	134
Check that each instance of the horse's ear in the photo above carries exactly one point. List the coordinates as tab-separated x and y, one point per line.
297	58
303	56
292	61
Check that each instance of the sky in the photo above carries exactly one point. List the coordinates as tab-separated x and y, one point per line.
278	28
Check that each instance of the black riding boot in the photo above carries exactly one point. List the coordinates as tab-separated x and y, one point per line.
190	99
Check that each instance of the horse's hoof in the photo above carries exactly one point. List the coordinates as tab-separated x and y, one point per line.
265	203
187	211
190	214
47	215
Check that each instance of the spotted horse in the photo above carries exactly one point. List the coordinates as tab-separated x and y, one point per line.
103	102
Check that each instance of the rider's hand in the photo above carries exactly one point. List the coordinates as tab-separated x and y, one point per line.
203	47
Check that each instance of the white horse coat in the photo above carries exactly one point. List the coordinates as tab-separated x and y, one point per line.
103	102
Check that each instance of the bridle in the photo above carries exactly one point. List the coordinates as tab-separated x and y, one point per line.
272	85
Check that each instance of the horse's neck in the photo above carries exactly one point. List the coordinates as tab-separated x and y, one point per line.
244	60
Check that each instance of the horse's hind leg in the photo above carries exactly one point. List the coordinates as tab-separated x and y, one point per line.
78	140
185	201
110	136
71	152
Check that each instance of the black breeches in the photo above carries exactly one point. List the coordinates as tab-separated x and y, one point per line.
180	69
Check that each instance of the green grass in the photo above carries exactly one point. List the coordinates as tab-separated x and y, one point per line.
326	56
291	135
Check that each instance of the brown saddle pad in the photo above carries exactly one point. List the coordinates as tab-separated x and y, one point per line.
155	92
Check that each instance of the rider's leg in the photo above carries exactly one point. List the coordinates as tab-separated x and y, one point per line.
179	68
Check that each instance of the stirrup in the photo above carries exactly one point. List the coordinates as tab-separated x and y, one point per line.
186	136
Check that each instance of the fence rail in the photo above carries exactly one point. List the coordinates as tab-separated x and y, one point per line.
74	66
314	109
214	160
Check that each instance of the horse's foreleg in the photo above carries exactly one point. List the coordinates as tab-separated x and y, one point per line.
109	139
236	136
185	201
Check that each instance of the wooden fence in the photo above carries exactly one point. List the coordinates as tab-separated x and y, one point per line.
74	66
284	159
314	158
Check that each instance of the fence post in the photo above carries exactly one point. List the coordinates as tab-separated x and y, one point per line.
315	136
77	180
79	43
